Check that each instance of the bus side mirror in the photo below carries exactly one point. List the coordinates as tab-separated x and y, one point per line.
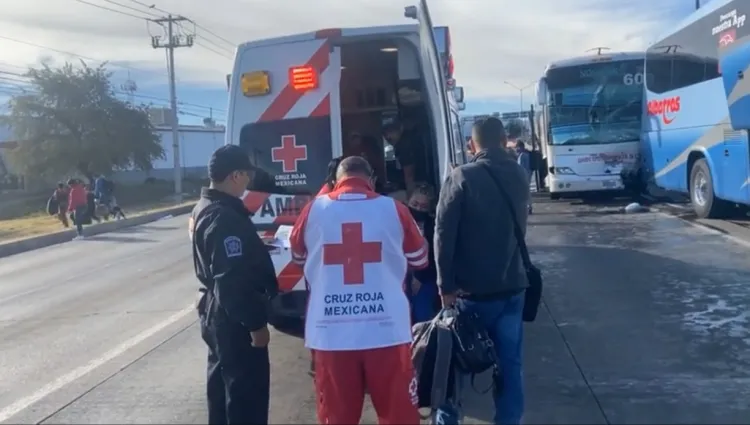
458	93
461	106
541	92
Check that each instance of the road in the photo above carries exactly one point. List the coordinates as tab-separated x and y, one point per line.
646	321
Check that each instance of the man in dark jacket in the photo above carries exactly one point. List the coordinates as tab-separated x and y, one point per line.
478	261
238	280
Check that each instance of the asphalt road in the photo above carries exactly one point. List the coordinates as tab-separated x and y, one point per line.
646	322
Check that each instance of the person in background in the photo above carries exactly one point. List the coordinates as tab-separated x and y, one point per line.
237	283
91	204
77	206
355	242
479	265
409	153
425	300
61	196
330	181
524	160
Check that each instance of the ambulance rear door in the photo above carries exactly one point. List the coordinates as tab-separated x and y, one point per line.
436	85
285	111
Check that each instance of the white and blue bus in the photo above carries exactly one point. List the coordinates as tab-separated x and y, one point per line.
698	108
588	121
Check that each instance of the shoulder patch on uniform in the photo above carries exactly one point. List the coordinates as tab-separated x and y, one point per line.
233	246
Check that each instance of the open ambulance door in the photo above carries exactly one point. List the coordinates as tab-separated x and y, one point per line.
286	113
436	86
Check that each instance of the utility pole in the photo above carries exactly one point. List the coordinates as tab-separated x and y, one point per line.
172	42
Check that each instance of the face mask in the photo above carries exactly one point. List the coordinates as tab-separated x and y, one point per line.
419	216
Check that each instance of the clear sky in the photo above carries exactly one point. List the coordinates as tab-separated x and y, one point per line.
493	40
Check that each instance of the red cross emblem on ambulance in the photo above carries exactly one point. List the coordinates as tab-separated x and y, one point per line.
289	154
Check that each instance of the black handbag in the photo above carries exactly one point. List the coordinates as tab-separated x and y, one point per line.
473	350
533	294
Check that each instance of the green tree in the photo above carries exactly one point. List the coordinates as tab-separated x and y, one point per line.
70	120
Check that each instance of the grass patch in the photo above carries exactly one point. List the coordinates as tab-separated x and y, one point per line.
29	219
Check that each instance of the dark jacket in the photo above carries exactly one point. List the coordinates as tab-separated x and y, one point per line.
475	247
231	261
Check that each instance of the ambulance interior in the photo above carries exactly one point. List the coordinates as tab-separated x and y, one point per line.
380	80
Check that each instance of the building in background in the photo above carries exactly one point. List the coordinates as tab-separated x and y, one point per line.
197	143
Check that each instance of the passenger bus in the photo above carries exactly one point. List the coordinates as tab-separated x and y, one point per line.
698	108
588	121
295	101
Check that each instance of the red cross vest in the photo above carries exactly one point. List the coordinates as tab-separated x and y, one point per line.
355	247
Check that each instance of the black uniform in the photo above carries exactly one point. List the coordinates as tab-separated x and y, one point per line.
238	280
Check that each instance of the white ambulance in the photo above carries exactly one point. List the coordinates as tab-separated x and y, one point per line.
295	100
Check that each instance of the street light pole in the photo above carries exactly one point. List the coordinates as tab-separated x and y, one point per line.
520	90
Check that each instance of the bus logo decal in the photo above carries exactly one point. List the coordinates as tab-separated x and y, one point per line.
726	38
289	153
666	108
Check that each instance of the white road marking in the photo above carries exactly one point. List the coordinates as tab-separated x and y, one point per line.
23	403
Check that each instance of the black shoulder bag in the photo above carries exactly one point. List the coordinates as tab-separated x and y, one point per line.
533	294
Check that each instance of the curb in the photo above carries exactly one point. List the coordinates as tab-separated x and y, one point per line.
42	241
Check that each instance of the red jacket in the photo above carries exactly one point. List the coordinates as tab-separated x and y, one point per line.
325	190
76	197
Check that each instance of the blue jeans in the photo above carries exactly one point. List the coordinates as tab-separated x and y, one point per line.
504	322
424	302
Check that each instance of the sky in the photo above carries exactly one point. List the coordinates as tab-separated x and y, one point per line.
494	41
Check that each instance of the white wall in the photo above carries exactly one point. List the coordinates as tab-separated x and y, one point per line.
196	147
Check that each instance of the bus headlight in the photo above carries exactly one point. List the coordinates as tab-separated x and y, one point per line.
564	170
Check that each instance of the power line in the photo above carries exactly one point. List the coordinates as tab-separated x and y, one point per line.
21	77
52	49
125	6
112	10
151	6
231	43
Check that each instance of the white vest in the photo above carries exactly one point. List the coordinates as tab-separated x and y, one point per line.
355	265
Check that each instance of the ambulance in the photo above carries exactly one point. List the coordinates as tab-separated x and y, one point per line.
295	100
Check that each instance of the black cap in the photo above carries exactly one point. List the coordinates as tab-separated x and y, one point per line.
226	160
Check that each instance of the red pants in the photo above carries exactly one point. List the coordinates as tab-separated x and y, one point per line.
342	377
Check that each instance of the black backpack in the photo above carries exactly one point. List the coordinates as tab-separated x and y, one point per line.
52	205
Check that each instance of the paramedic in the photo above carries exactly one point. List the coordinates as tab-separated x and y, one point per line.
479	266
238	278
355	246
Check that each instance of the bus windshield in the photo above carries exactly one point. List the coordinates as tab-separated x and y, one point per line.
596	103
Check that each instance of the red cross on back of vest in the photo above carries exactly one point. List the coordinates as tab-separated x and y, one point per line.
352	253
289	154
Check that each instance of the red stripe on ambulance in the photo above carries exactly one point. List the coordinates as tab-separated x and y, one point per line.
323	109
289	97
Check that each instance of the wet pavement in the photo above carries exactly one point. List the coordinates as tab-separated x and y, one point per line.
646	320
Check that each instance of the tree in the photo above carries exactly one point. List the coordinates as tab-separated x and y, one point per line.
70	120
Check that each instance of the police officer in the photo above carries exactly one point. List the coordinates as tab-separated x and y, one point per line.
238	280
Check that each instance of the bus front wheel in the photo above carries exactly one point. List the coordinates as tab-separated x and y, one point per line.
702	195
